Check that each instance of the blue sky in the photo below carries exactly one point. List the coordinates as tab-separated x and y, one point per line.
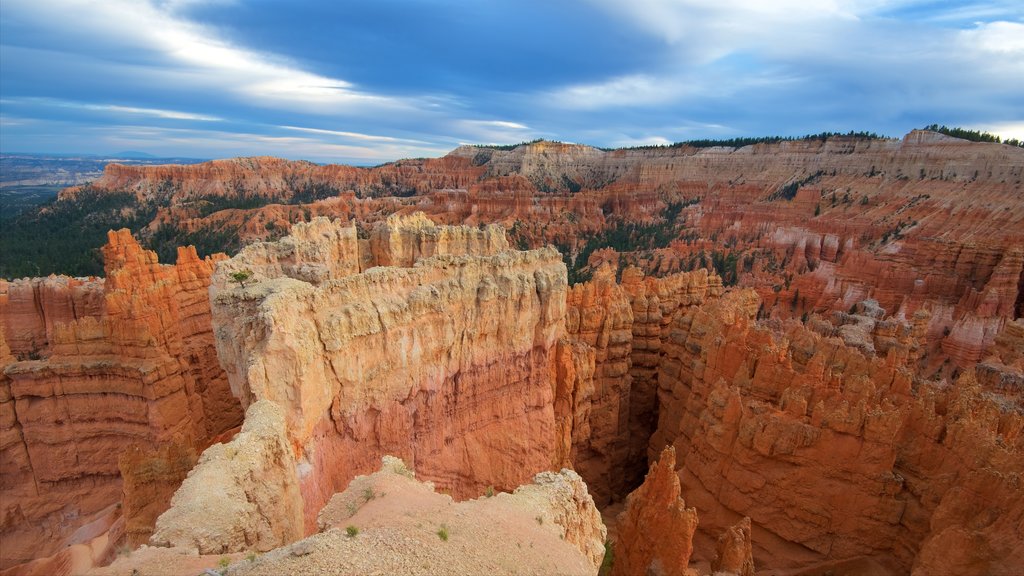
370	81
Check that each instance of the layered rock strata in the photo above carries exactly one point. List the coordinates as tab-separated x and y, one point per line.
447	362
833	449
656	528
609	393
96	367
924	222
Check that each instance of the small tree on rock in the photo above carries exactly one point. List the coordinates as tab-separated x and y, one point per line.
241	276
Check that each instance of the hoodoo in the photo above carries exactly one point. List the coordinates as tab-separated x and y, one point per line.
795	357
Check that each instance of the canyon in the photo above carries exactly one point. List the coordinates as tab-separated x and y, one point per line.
826	335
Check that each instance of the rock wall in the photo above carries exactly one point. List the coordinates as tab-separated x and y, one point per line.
612	397
832	447
241	495
448	363
98	366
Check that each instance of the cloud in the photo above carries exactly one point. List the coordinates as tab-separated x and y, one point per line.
352	135
210	143
157	35
632	90
467	131
114	108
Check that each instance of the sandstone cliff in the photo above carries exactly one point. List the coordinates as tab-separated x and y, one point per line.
446	361
615	333
95	367
833	449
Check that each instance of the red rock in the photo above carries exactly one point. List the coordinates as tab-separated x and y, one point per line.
105	364
734	553
656	528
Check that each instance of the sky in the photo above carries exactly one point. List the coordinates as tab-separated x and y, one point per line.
369	81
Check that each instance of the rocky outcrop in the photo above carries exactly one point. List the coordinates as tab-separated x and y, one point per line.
387	522
832	444
600	317
148	480
445	363
734	554
97	367
656	529
241	495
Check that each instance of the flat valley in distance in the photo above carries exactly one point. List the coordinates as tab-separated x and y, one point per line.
28	180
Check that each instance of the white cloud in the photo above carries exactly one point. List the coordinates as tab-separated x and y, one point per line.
1005	130
113	108
212	143
632	90
176	46
1000	38
847	52
352	135
490	131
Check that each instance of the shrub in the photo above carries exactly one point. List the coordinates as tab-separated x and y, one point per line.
352	531
241	276
442	533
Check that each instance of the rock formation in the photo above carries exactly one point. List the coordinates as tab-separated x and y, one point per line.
853	404
656	528
838	449
926	222
445	359
94	368
615	400
241	495
388	522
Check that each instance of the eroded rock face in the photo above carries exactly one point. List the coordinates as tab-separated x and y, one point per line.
734	554
656	528
837	448
612	398
95	367
448	363
926	222
241	495
387	522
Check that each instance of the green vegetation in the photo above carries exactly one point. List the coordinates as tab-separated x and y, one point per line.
312	191
749	141
211	204
17	199
625	237
507	147
788	191
241	276
64	237
352	531
963	133
442	533
168	237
